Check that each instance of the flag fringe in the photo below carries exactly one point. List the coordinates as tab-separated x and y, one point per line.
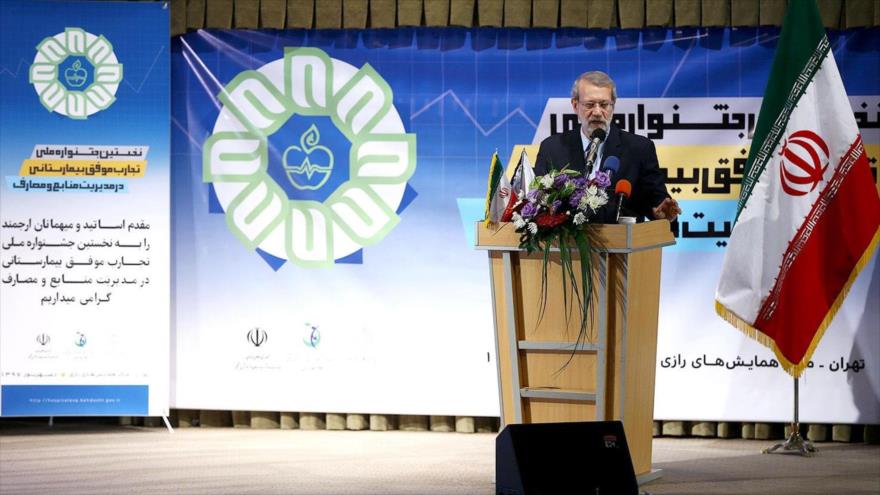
755	334
796	369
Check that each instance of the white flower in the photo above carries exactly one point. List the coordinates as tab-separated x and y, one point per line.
595	202
579	218
518	221
533	228
584	202
592	190
546	181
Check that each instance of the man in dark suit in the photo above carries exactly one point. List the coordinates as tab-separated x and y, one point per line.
593	96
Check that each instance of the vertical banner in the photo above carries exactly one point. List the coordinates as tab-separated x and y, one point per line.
84	208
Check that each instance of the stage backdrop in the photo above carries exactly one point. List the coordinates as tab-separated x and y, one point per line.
326	186
84	208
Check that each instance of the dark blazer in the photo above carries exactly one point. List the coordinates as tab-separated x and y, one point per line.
638	165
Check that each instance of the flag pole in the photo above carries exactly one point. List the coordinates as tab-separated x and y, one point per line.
795	443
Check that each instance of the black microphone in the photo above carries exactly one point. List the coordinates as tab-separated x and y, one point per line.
595	140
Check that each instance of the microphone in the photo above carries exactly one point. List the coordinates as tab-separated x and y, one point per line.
611	165
622	189
595	140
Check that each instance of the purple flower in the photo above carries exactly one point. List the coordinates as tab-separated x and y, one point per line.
529	210
533	196
576	198
580	182
602	179
555	206
560	180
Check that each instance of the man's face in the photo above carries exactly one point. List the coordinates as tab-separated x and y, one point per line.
594	107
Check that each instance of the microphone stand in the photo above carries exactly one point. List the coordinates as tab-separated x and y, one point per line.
591	156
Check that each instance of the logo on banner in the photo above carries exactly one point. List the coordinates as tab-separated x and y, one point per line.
80	340
313	336
309	165
257	336
309	160
75	73
43	339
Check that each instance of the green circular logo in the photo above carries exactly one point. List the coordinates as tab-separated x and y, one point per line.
359	212
75	73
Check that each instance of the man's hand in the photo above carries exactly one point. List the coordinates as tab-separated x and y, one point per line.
667	209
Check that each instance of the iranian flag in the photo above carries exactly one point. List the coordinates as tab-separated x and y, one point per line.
808	216
498	194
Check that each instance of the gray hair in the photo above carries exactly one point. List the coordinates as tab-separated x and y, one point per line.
596	78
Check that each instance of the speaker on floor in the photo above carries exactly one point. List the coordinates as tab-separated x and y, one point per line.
590	458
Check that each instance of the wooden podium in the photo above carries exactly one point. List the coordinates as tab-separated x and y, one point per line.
611	375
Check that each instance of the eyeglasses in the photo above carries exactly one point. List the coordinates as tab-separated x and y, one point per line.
589	105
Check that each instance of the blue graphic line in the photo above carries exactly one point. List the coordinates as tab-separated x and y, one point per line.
201	79
470	117
242	57
140	86
210	74
681	63
4	70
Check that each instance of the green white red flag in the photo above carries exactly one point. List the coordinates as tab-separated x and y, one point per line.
808	217
499	193
520	185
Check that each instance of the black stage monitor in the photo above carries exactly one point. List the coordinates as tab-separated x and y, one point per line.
590	458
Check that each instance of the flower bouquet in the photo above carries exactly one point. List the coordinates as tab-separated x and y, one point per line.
553	214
